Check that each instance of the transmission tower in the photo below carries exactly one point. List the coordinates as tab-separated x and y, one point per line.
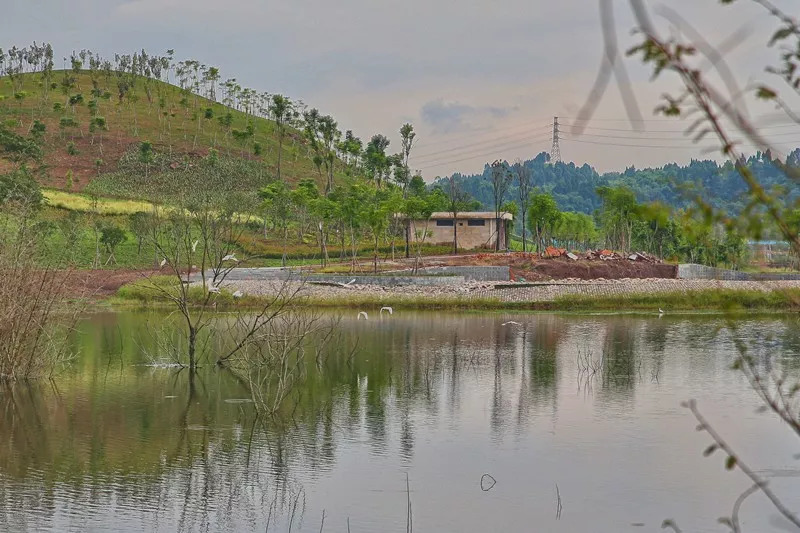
555	152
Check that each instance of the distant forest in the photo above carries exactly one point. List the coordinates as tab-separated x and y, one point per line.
574	188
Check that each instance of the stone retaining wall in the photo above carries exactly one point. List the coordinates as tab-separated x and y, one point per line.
694	271
471	273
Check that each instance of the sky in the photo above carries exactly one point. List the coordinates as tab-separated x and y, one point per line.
479	80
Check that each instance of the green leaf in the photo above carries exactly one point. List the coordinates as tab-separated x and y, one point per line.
765	93
711	449
781	34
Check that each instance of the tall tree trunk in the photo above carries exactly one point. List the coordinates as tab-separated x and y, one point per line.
455	236
192	347
280	150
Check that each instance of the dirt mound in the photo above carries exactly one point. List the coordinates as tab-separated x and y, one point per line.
563	268
532	268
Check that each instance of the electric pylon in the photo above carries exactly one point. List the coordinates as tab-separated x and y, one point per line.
555	152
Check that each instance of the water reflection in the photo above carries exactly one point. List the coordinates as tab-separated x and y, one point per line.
117	444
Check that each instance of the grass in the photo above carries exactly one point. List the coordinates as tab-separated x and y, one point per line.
728	300
85	204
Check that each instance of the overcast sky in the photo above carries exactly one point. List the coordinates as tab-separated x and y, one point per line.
479	80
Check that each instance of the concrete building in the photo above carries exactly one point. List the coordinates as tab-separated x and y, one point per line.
476	229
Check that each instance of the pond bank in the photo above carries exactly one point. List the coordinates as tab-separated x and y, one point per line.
617	295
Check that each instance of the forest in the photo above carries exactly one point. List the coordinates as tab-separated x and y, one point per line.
575	188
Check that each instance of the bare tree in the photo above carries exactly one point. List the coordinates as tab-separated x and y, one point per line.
456	202
500	178
198	243
525	179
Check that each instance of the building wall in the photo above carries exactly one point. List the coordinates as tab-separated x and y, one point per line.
469	237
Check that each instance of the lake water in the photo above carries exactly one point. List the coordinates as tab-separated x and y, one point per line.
433	398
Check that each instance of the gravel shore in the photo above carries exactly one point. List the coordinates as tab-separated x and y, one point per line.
545	292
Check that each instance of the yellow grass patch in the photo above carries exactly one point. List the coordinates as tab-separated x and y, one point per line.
105	206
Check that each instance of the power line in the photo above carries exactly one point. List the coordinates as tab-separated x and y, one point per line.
604	136
797	126
498	143
434	164
619	119
479	143
693	146
795	142
471	133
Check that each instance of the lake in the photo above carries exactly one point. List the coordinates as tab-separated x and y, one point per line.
482	420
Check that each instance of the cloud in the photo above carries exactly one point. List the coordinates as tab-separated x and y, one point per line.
445	117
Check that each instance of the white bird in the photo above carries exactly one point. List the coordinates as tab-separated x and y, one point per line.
511	322
194	245
213	290
230	257
660	311
237	294
389	309
364	313
163	262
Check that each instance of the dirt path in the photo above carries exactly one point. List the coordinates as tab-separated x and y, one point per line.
100	283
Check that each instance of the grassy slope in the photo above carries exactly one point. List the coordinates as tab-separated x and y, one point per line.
172	129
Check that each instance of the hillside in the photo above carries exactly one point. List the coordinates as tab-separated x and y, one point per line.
91	125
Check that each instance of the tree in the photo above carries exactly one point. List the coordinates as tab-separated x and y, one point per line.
525	185
407	138
328	128
19	187
420	205
376	212
376	161
544	217
500	177
277	202
457	201
510	207
146	156
281	110
111	236
620	211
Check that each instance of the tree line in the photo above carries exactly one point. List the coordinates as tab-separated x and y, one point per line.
575	187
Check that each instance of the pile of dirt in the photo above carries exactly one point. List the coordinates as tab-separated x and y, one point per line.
564	268
530	267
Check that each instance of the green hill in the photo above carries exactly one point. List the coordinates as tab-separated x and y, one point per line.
91	125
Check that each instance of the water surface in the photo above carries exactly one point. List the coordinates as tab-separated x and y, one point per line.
116	444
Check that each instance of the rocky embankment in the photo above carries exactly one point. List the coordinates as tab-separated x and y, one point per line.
506	292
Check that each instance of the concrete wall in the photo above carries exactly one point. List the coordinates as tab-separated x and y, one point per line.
472	273
693	271
389	280
469	237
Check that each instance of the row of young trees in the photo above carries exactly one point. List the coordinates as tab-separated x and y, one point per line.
624	224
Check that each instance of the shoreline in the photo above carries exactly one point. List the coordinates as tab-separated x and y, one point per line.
646	295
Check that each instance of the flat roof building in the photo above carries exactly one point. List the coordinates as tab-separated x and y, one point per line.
475	229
